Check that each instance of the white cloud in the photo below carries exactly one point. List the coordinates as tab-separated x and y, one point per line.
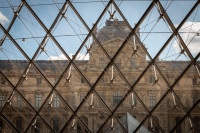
194	45
82	57
3	19
62	57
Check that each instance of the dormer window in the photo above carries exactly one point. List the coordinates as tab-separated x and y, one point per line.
39	80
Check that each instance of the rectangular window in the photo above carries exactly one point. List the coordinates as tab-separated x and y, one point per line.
38	101
116	100
117	97
152	99
3	81
19	101
82	80
2	101
132	63
56	102
195	97
152	79
82	95
194	81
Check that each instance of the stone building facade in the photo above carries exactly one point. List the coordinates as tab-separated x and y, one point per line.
71	89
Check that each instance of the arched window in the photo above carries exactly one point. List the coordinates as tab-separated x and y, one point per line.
19	123
197	123
1	126
56	124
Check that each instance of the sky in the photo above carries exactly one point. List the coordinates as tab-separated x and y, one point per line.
70	32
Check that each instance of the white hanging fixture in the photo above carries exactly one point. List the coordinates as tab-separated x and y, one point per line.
159	9
42	45
92	100
134	44
190	122
112	123
34	122
65	9
9	100
181	48
111	12
132	100
69	74
112	75
174	100
51	100
156	77
26	72
151	122
197	70
134	47
73	123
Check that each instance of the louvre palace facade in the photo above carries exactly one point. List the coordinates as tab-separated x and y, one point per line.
97	95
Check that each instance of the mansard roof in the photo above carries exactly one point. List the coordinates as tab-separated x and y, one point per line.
111	30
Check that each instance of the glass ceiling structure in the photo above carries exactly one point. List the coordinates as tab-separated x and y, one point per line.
100	66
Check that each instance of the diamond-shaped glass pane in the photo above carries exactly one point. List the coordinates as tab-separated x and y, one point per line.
99	66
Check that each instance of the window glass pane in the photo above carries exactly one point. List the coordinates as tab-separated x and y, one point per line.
38	100
194	81
179	128
56	102
2	101
152	99
1	126
3	81
117	97
19	123
56	124
19	101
